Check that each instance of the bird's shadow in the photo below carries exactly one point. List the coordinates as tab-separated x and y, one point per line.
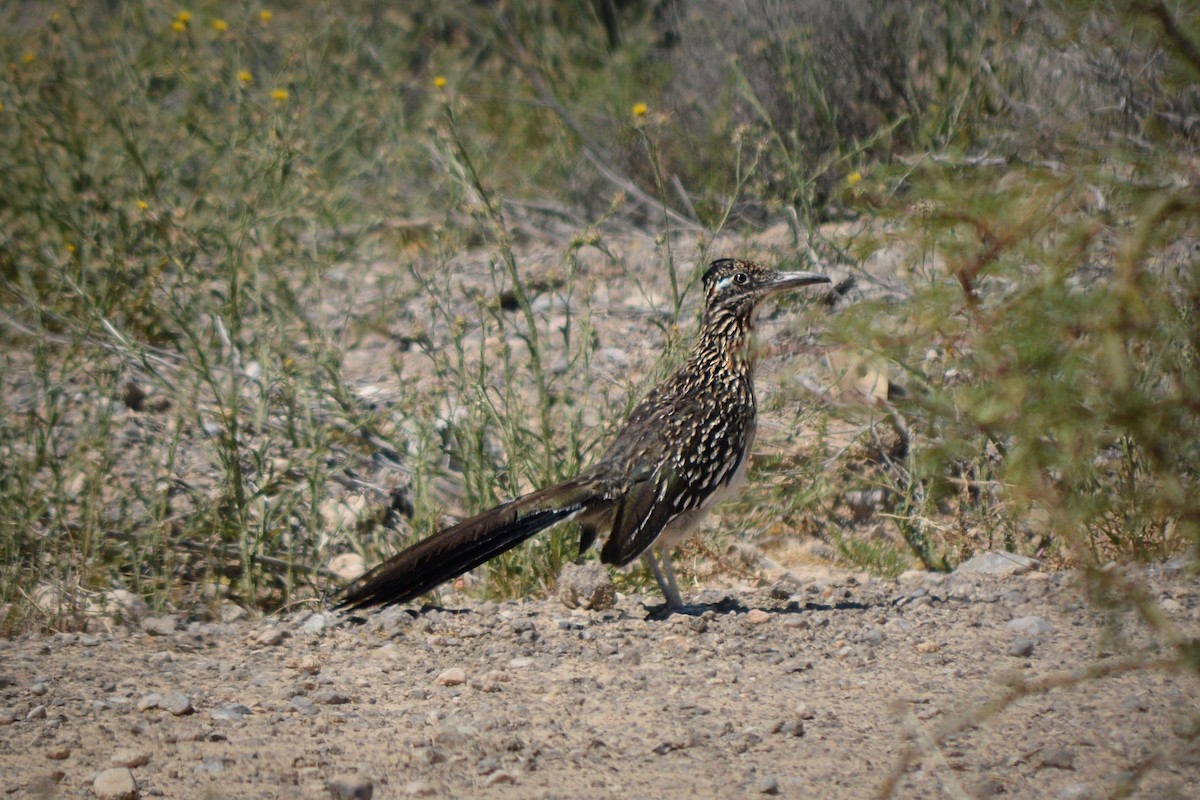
662	611
659	612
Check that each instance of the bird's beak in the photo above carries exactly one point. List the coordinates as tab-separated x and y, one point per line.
792	280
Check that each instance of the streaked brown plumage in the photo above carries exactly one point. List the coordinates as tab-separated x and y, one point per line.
684	448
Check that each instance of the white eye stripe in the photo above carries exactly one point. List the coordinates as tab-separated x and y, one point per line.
740	278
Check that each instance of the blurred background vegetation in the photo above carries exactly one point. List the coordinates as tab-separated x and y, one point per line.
213	218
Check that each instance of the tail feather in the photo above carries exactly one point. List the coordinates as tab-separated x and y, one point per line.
460	548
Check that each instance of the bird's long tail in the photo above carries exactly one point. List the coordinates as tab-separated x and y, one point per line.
453	551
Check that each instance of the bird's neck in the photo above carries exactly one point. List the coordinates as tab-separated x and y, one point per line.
727	340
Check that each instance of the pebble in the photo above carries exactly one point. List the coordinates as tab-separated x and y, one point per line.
177	703
303	705
148	701
160	626
1032	627
418	789
500	776
58	752
348	566
350	787
1171	605
329	697
271	637
756	616
1000	564
115	784
130	758
1058	758
587	585
452	676
314	625
1076	791
768	785
1021	647
230	712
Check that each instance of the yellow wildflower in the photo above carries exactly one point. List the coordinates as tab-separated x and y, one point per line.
639	109
29	57
1	106
854	178
220	25
439	82
244	77
142	205
279	95
184	16
70	248
266	15
178	26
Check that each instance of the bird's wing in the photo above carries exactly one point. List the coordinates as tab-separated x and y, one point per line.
674	468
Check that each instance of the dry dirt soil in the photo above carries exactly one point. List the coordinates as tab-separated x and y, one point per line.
819	684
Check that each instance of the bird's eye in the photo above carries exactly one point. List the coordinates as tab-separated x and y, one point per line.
740	277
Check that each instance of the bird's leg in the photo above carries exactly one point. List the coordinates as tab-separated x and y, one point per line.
669	587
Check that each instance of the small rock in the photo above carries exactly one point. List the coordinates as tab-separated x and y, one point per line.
160	626
1135	703
1058	758
130	758
928	646
148	701
1030	627
351	787
996	563
587	585
115	784
768	785
120	603
500	776
988	786
271	637
1021	647
37	712
756	616
348	566
231	612
329	697
1171	605
1076	791
418	789
790	728
177	703
303	705
309	665
211	765
314	624
58	752
230	712
451	677
710	597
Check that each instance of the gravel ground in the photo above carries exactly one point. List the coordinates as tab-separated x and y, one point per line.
814	686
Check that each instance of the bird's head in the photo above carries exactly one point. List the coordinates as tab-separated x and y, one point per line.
737	286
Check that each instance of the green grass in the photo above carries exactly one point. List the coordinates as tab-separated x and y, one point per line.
211	225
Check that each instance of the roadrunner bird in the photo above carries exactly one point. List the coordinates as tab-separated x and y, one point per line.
683	450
